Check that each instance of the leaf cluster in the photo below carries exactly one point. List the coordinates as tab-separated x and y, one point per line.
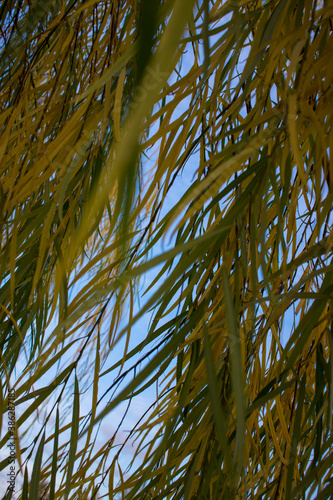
239	96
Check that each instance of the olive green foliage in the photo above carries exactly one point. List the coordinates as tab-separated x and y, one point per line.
104	105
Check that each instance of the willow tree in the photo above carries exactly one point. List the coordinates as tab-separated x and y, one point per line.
237	95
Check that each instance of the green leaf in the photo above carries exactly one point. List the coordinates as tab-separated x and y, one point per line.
319	396
297	429
221	425
25	487
73	440
34	490
236	366
55	457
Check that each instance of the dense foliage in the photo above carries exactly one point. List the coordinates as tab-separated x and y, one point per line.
105	104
